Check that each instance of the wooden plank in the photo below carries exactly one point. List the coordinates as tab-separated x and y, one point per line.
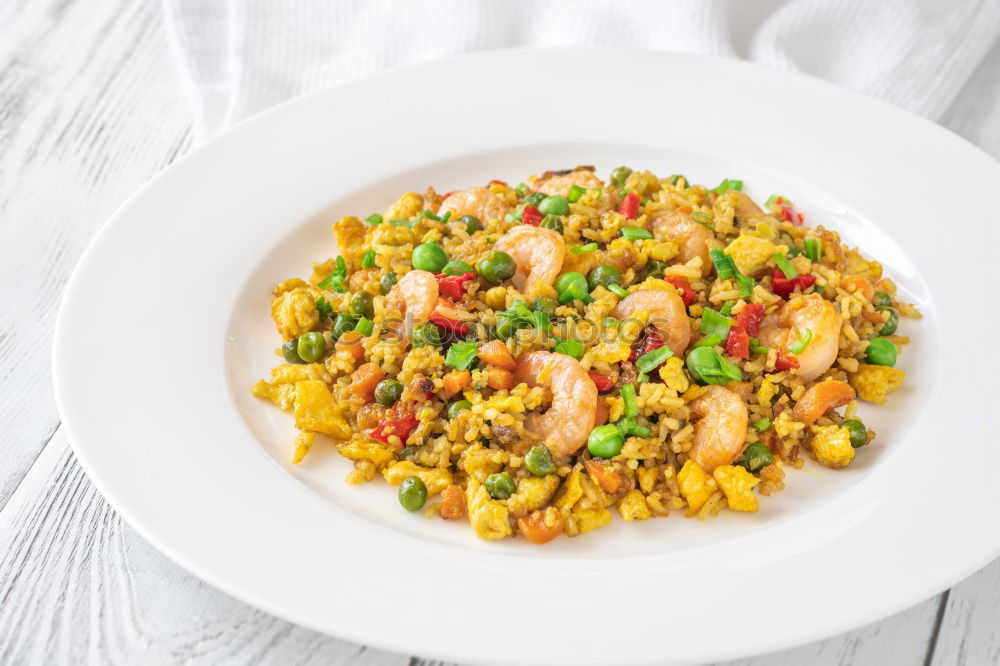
969	630
77	584
88	112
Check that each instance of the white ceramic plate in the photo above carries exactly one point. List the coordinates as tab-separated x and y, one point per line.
165	326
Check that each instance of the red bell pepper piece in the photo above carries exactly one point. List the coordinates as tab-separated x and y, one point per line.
602	382
738	342
784	287
750	317
531	215
453	286
651	342
398	421
789	214
785	361
683	286
629	206
450	325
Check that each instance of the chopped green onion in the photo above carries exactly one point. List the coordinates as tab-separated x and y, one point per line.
758	348
727	309
762	425
446	217
618	291
401	223
374	219
521	189
794	251
368	259
572	348
324	308
650	361
707	341
364	326
714	323
628	397
596	192
628	427
727	185
430	214
589	248
771	200
461	355
575	193
745	283
799	345
724	264
708	366
574	292
704	219
785	266
636	233
335	280
814	248
676	178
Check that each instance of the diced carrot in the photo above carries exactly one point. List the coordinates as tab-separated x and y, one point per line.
365	379
859	284
541	526
498	378
452	503
455	382
608	479
602	413
351	341
496	353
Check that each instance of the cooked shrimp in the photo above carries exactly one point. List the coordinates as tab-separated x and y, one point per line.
537	252
690	236
745	207
721	428
560	184
414	296
476	201
568	422
821	398
666	312
794	318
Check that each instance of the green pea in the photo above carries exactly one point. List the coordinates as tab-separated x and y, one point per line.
409	453
882	298
342	324
604	275
426	335
619	175
572	278
387	392
756	456
545	304
552	222
892	323
654	268
880	351
554	205
388	281
859	433
412	493
539	461
497	267
456	407
361	305
534	199
472	223
290	350
311	347
499	485
605	441
457	268
429	257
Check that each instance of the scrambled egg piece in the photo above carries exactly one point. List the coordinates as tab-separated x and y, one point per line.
533	493
874	383
281	389
435	478
480	462
591	519
766	392
737	484
490	519
294	308
831	446
672	374
661	250
364	448
695	484
350	233
407	206
316	411
751	253
570	492
785	425
303	443
633	506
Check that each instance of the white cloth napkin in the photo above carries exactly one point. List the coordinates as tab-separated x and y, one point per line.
237	57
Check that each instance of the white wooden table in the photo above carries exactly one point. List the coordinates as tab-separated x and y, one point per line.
89	110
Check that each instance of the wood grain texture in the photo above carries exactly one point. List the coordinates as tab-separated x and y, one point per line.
970	628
